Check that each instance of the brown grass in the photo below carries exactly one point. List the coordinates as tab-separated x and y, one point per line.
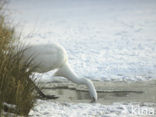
15	85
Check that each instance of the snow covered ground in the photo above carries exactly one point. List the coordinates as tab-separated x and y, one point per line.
105	39
55	109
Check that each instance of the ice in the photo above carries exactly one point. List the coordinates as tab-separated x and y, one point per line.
105	40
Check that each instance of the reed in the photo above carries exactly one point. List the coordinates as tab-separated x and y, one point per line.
15	86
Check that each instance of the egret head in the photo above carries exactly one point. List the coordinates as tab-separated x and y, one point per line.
91	88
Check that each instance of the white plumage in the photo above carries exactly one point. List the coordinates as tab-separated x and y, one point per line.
53	56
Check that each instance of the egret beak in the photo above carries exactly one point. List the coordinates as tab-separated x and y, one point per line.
93	100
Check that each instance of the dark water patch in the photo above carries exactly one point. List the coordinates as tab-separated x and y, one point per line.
108	92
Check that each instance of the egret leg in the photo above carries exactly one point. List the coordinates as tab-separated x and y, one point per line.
42	95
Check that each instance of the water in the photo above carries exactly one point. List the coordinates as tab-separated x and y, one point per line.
108	92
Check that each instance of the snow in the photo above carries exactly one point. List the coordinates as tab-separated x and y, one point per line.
55	109
105	40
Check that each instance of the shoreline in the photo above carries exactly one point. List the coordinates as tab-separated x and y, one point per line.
108	92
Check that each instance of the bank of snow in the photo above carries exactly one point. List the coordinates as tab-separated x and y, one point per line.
55	109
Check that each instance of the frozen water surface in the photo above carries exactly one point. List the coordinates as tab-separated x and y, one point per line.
105	40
